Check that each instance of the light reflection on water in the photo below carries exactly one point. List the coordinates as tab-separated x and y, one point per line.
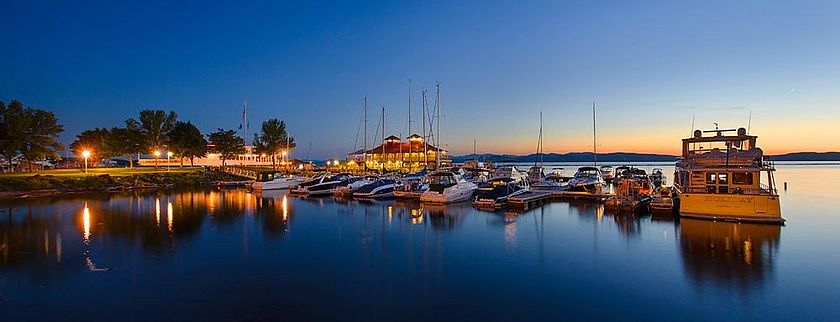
237	255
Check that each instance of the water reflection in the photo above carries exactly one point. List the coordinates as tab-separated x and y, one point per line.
728	255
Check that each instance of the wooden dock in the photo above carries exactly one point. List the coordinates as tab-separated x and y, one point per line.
536	198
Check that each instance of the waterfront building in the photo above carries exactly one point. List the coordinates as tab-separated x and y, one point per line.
394	154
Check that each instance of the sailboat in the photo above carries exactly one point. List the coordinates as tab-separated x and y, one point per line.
536	174
589	179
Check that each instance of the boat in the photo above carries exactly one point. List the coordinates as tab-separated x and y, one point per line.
495	193
607	173
352	184
725	177
448	187
663	202
275	181
587	179
304	187
410	187
657	177
557	175
325	187
633	192
382	188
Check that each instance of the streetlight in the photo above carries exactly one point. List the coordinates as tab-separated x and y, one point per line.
157	155
86	155
168	155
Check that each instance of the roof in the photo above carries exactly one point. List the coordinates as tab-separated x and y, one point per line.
400	147
392	138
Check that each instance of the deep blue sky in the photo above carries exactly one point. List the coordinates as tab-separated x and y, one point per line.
650	66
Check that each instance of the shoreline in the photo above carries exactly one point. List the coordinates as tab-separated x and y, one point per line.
39	186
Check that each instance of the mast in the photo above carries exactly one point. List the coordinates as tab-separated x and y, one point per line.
475	154
541	141
425	146
364	149
383	139
594	139
437	136
749	122
409	128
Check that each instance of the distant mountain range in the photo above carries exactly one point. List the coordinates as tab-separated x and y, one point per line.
631	157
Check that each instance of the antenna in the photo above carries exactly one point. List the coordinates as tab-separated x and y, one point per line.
690	134
749	122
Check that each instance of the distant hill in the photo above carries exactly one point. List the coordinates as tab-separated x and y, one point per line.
807	156
632	157
572	157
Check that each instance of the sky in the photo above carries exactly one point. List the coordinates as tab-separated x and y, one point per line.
651	66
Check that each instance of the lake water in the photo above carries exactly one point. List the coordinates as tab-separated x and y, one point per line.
232	255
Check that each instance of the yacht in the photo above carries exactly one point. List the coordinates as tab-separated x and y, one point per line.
657	177
607	173
448	187
633	192
303	188
382	188
495	193
275	181
353	184
325	187
725	177
587	179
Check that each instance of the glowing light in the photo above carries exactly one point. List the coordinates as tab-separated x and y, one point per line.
390	214
285	207
157	212
335	162
284	153
86	154
169	216
86	224
169	153
157	153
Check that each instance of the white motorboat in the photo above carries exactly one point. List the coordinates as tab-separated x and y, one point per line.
275	181
448	187
607	173
587	179
326	185
382	188
303	188
353	184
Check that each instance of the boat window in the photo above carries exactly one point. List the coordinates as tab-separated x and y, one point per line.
742	178
711	178
723	189
723	178
710	189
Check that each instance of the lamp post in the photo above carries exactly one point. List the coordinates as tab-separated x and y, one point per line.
86	155
157	155
328	167
168	155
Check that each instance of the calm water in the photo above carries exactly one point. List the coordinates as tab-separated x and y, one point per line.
231	255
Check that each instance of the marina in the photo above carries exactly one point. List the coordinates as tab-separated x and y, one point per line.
135	250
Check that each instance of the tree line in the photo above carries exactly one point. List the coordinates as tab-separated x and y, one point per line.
32	134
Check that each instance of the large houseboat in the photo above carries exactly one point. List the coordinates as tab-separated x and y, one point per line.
723	175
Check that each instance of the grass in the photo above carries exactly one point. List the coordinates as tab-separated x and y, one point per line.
114	172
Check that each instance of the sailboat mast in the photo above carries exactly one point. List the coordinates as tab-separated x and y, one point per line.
364	149
475	154
425	145
542	154
437	136
594	138
383	139
409	127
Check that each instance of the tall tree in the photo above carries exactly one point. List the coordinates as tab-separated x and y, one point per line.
227	144
29	131
272	139
155	126
93	141
186	141
125	141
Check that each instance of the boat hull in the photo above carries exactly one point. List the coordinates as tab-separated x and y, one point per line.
731	207
448	195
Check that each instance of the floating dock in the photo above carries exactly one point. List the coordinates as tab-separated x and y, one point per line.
536	198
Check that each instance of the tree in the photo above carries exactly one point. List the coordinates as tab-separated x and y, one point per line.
186	141
272	139
227	144
29	131
93	141
125	141
155	126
